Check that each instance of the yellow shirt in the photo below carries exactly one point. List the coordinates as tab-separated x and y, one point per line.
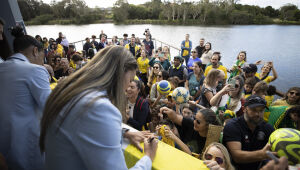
186	52
60	50
280	102
143	64
72	64
268	79
269	100
208	68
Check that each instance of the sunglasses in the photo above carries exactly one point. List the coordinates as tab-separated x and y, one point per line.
292	93
194	52
198	121
208	156
156	68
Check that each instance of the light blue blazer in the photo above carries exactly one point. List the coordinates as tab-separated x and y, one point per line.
89	138
24	89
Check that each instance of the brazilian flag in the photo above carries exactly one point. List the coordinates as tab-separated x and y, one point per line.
278	117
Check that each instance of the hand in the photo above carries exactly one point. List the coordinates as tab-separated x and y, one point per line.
212	165
127	114
169	134
135	138
264	150
150	148
167	111
270	64
258	62
227	89
282	165
157	128
221	114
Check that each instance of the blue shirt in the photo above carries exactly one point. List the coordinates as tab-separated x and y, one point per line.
191	63
24	89
89	138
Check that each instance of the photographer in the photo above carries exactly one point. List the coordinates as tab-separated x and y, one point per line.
147	32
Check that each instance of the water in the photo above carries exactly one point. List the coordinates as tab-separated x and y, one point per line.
279	44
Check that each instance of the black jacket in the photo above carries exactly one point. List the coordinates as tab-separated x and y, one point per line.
140	114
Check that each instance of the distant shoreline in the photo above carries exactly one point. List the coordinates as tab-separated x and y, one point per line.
154	22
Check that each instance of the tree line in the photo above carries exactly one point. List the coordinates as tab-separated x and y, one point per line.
157	12
60	12
204	12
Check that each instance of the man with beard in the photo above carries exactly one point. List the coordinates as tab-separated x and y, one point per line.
246	137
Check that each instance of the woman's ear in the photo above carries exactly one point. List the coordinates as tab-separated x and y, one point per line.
35	52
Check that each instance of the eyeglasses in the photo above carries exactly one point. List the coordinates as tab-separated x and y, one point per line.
292	93
156	68
198	121
208	156
194	52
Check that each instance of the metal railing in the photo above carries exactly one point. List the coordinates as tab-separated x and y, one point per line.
157	43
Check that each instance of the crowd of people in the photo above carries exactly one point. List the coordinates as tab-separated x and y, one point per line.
80	99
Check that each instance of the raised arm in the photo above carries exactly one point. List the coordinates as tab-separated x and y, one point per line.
177	119
275	75
215	100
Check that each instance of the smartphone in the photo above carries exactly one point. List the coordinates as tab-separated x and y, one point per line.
272	156
232	82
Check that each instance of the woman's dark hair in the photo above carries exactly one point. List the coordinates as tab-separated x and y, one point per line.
204	50
167	122
56	57
38	36
244	53
210	117
76	57
271	90
174	80
165	75
199	63
141	87
91	53
294	109
23	41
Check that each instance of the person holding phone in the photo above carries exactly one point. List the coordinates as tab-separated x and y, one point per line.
81	124
229	99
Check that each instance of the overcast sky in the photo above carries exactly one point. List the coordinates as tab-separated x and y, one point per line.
262	3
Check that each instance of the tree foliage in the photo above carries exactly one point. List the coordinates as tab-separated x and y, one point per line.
207	12
74	10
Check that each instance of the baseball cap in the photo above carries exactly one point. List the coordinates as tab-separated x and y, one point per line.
255	101
251	68
178	57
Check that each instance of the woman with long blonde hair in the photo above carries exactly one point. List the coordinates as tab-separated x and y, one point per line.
81	124
209	88
216	155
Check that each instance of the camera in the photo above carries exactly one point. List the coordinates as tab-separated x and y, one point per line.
146	31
